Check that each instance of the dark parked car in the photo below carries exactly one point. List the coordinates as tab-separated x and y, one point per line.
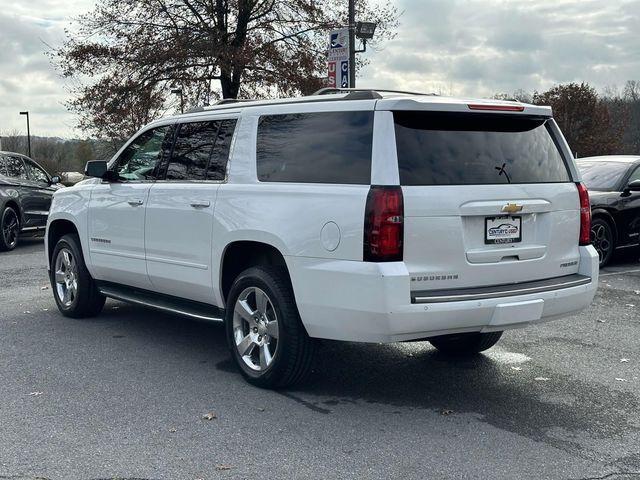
26	190
614	189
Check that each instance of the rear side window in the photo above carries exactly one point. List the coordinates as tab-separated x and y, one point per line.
476	149
322	147
3	165
201	151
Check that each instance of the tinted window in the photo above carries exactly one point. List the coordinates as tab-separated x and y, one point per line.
601	175
635	175
141	159
3	165
192	149
220	156
35	173
467	149
326	147
15	168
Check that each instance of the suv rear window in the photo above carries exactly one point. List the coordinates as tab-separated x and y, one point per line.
323	147
438	148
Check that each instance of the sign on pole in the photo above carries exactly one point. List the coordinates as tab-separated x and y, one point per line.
338	58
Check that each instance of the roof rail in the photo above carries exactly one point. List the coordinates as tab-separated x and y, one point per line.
371	91
225	101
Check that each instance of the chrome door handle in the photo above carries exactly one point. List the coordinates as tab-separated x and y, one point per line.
203	204
134	203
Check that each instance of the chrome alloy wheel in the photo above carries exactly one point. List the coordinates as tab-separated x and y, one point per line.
255	328
66	277
601	240
10	228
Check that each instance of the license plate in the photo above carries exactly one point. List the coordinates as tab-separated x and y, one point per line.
502	229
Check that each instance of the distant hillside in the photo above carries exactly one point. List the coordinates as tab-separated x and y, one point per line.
58	154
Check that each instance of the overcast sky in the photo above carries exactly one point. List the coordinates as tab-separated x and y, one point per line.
458	47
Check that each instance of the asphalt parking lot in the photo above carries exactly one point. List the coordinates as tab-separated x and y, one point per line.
124	395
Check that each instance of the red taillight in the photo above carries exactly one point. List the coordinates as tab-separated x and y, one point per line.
496	108
585	215
383	225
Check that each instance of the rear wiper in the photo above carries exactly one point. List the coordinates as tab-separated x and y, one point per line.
501	171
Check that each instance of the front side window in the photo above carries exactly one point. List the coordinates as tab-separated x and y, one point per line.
15	168
320	147
635	176
35	173
3	165
440	148
142	157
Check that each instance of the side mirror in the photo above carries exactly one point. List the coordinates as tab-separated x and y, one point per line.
634	186
96	168
55	179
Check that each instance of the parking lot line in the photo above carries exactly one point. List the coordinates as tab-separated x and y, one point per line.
621	272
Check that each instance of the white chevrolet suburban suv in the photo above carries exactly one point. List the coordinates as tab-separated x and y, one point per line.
354	215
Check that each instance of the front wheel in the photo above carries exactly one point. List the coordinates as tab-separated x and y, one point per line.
464	344
602	240
266	337
74	290
10	226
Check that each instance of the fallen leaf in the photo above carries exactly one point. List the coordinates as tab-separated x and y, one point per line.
173	430
601	321
446	412
210	416
621	379
637	292
624	360
541	379
630	305
26	312
35	394
261	409
517	369
223	466
44	288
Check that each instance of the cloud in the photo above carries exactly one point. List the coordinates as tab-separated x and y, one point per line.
459	47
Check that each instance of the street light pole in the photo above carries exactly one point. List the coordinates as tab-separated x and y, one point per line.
178	91
28	133
352	44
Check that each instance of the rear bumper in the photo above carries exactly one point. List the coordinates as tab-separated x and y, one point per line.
369	302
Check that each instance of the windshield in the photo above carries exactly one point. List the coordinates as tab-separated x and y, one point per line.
601	175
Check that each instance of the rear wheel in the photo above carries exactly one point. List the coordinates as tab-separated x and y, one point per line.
266	337
462	344
602	239
10	226
74	290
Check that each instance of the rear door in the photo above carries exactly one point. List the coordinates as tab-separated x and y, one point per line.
488	199
117	210
179	217
631	210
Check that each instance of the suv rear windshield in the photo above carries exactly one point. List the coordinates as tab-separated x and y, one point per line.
439	148
321	147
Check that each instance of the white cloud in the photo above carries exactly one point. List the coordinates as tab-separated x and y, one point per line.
461	47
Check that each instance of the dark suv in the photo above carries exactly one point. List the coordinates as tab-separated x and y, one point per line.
26	190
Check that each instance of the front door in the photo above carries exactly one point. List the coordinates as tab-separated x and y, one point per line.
631	212
38	193
117	211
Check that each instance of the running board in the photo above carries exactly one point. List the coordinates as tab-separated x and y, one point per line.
165	303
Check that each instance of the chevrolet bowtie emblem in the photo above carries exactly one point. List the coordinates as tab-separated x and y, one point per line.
512	208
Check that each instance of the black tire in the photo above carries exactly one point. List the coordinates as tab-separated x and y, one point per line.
294	350
87	301
603	239
9	229
465	344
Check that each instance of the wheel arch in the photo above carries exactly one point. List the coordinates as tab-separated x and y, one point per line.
56	230
239	255
13	203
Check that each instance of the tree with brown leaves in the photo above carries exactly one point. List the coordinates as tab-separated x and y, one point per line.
128	54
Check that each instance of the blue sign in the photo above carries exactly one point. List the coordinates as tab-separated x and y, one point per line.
344	74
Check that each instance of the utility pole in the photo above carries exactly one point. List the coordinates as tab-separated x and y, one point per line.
28	133
352	44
